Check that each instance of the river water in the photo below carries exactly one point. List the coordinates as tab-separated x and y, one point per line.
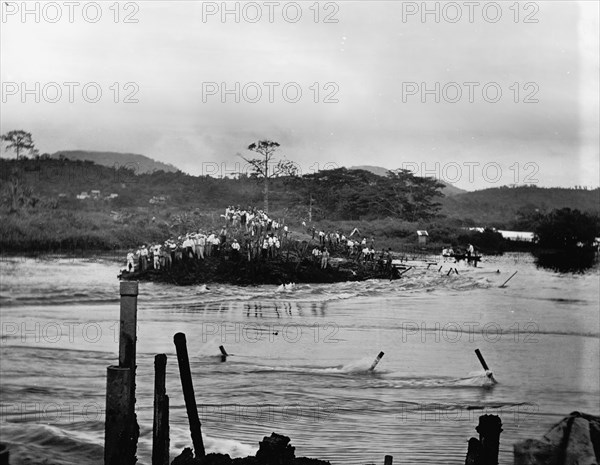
300	359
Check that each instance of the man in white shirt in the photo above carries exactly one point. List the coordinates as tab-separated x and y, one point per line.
130	262
200	244
235	249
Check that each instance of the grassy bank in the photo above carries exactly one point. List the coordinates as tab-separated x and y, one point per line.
59	230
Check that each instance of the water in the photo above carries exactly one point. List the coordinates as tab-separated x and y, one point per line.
300	359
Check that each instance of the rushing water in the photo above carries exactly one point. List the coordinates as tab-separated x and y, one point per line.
300	359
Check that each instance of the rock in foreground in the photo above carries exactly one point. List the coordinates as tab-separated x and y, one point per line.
574	440
273	450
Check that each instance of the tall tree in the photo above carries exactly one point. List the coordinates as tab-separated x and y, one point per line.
20	141
566	229
408	196
265	167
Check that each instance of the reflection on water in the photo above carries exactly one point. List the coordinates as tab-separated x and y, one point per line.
577	260
299	360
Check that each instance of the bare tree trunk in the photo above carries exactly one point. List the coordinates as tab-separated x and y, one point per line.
266	187
266	195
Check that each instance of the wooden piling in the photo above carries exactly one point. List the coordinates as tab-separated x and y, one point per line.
128	332
376	361
484	451
160	430
4	454
188	394
120	428
387	460
224	353
481	360
121	431
489	429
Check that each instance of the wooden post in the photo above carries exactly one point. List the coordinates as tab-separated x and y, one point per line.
387	460
484	451
376	361
4	455
481	360
120	428
160	430
128	332
489	429
224	354
188	394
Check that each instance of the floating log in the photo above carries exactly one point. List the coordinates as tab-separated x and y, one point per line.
160	430
188	394
376	361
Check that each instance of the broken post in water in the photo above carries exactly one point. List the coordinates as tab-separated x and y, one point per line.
376	361
160	430
388	460
224	354
488	372
481	360
121	428
188	393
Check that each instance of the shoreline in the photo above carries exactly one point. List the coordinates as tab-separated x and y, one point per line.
274	271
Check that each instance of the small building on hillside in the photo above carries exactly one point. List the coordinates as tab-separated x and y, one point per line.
83	196
422	236
158	199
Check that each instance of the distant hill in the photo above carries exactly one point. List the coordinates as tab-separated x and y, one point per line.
507	205
139	163
448	191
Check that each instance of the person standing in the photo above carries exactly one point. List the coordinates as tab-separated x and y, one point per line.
324	258
130	262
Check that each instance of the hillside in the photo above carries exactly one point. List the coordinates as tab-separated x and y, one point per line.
49	204
448	190
337	194
512	206
139	163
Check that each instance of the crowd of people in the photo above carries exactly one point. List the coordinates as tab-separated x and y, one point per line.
355	248
250	234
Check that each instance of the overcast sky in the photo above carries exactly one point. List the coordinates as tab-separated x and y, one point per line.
376	58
